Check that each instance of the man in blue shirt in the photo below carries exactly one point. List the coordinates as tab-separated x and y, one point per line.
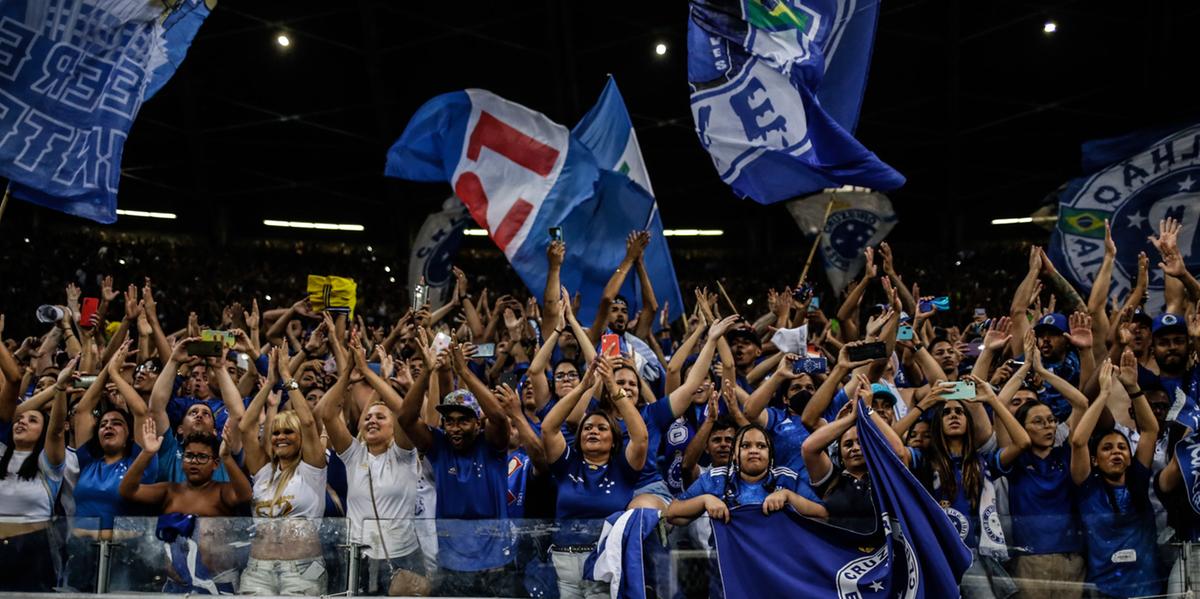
1059	357
1172	346
469	454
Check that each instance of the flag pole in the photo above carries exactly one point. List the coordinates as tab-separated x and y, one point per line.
4	202
721	288
816	242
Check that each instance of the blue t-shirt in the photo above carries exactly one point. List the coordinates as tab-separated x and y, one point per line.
958	508
1190	381
587	494
716	482
1041	502
471	485
658	418
788	434
170	462
1122	555
178	406
674	443
1068	369
96	492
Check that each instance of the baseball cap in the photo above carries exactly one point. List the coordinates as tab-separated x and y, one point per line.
746	333
459	401
1052	323
882	391
1141	317
1168	323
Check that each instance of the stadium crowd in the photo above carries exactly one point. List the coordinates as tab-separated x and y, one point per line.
1043	425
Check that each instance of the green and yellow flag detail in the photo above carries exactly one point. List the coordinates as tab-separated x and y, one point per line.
1086	223
776	15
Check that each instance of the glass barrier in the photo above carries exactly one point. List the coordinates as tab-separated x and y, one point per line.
483	558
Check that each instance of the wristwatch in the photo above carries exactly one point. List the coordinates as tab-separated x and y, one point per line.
292	384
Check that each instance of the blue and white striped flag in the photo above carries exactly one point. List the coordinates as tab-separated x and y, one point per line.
619	558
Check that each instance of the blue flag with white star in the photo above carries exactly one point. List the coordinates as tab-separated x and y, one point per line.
1134	181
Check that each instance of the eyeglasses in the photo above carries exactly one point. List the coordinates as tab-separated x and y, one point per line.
1051	421
953	410
197	458
566	376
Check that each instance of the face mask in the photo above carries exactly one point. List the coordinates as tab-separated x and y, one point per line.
799	399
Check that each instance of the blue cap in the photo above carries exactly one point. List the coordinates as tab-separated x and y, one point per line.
459	401
1168	323
878	389
1055	322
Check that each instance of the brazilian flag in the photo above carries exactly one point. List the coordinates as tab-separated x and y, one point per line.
1086	223
776	15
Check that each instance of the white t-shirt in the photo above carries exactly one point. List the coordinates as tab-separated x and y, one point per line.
303	497
393	476
24	501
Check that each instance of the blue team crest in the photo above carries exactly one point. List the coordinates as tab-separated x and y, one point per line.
846	233
1159	181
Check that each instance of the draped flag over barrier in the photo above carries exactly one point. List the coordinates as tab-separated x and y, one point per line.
519	173
75	73
916	553
776	89
1134	181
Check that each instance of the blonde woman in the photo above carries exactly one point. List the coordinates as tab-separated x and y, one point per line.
381	476
289	472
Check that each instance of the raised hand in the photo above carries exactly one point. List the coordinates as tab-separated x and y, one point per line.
556	252
67	373
252	317
1110	246
1127	372
106	289
719	328
1080	334
509	400
151	441
997	335
1106	376
226	440
133	308
889	267
73	293
869	265
179	353
1193	322
149	306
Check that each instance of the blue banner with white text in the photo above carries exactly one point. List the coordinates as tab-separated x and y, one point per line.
75	73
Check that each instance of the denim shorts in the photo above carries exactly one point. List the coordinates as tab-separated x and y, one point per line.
658	489
284	577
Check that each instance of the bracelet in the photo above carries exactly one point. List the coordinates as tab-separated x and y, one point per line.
1136	395
60	389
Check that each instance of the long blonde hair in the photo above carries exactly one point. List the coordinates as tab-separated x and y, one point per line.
287	419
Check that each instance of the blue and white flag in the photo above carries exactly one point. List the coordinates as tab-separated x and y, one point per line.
776	90
433	251
915	554
620	556
1134	181
934	555
519	173
858	219
75	74
608	132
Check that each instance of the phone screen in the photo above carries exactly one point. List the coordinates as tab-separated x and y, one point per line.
419	293
867	351
485	350
556	234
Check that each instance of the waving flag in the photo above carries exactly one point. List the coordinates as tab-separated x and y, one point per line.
519	173
859	218
934	554
1134	181
608	132
776	90
75	75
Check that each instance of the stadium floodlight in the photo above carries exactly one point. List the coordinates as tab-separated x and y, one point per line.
294	224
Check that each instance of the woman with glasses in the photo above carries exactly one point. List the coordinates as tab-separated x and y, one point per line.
1046	543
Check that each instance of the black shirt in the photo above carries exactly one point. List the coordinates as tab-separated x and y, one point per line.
850	501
